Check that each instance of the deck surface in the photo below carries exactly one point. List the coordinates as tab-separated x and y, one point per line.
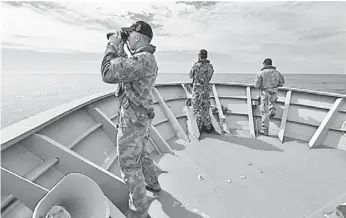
282	180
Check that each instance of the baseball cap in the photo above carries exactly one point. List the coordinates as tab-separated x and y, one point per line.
203	53
268	61
140	27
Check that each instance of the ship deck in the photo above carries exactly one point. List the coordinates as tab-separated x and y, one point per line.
248	177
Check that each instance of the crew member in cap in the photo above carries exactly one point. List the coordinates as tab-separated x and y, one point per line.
136	75
201	74
268	81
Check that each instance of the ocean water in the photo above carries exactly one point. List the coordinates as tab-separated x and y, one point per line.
24	95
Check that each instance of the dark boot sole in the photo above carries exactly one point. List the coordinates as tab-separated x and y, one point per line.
265	133
152	190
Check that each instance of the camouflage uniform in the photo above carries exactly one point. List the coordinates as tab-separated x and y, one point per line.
268	81
137	76
201	73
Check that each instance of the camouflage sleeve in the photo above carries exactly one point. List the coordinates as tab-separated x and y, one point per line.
281	80
192	72
258	81
117	68
211	71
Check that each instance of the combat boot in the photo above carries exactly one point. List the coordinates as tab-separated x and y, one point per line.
154	188
208	130
264	132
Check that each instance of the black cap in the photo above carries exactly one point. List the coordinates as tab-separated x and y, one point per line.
268	61
140	27
203	53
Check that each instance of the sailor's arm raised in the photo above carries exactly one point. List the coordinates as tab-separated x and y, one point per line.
117	68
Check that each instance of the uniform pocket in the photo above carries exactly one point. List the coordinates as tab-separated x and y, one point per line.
126	117
130	117
141	119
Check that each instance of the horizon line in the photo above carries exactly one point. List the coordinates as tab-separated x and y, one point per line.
79	73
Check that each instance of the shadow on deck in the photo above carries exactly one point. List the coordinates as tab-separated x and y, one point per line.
173	208
251	143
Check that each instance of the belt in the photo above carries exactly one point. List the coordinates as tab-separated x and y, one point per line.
136	108
125	101
270	90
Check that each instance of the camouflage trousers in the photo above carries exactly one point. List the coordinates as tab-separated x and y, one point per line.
136	165
201	106
268	100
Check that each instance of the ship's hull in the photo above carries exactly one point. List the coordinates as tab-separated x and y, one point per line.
292	172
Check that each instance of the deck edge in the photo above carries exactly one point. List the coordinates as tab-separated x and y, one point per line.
18	131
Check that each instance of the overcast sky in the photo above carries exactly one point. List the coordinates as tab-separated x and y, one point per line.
300	37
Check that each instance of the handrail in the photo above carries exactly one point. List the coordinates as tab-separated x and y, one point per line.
331	94
20	130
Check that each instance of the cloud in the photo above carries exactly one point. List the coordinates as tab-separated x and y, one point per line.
299	31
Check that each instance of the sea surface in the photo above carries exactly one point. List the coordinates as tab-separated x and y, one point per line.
24	95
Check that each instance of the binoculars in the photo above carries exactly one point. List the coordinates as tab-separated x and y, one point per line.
124	35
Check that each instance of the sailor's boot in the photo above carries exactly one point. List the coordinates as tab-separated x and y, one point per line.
154	188
263	132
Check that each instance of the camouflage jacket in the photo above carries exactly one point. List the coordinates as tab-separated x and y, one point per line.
269	78
136	74
202	72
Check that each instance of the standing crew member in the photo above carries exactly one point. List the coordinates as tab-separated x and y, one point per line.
268	81
136	76
201	73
